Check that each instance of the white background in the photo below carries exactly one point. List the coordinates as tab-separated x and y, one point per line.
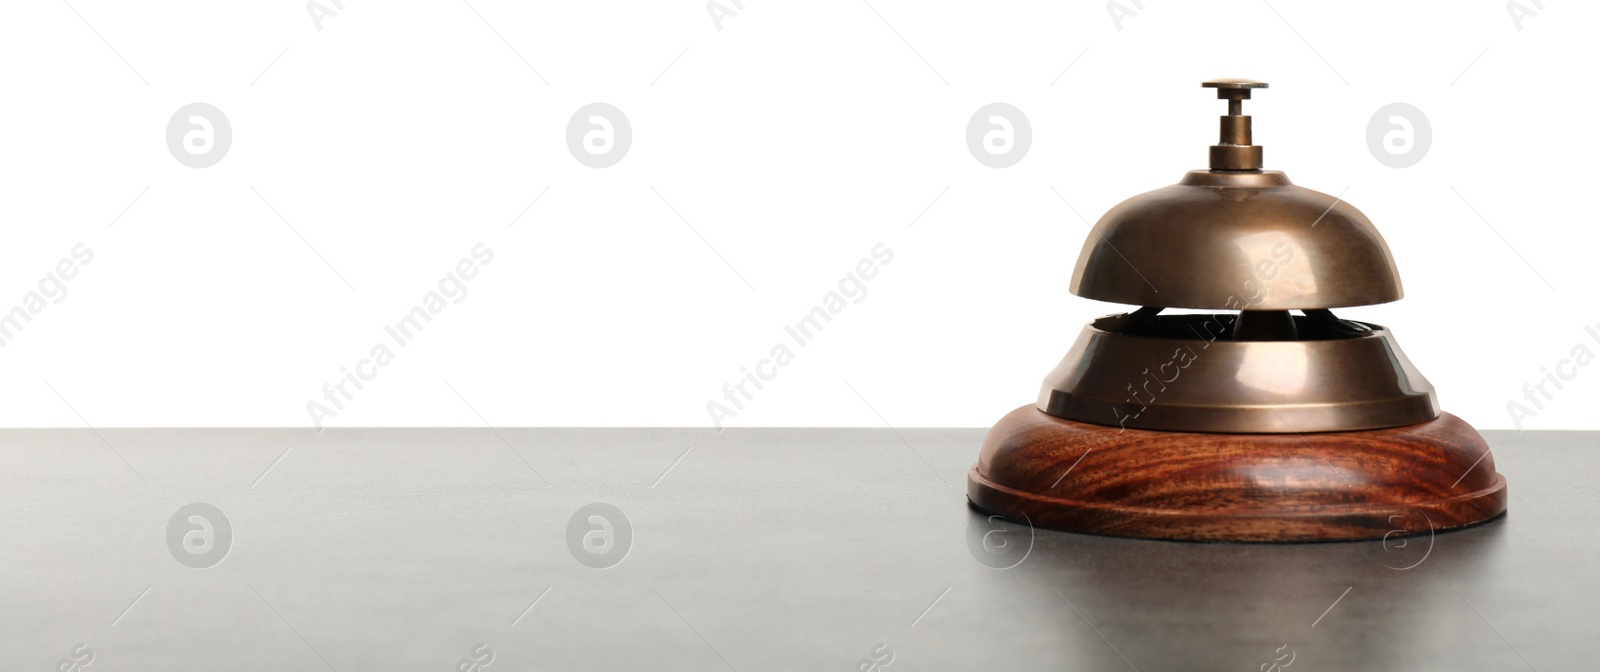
793	139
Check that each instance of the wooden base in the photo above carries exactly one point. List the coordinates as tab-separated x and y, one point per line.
1065	475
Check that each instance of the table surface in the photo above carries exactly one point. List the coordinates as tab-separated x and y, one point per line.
758	549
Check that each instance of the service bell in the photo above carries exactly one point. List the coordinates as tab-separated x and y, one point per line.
1251	424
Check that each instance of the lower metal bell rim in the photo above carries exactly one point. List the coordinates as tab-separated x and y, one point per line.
1194	379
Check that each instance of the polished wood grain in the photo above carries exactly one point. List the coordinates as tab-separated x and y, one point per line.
1055	473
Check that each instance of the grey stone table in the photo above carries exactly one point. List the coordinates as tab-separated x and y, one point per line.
458	549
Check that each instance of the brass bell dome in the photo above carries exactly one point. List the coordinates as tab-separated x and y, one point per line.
1236	237
1240	239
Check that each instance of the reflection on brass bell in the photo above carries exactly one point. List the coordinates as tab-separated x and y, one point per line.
1253	424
